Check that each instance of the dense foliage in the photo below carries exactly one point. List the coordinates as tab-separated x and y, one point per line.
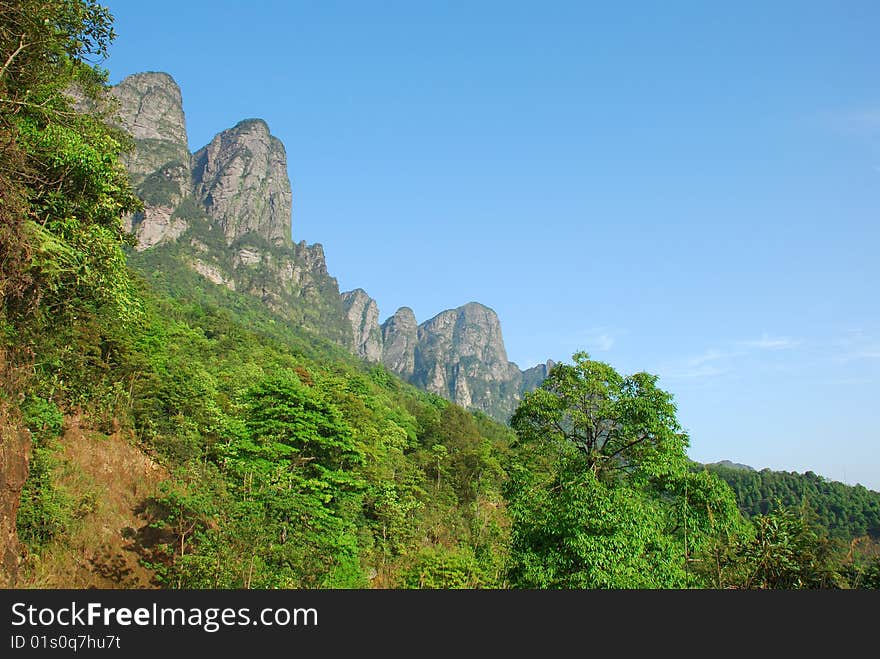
289	462
297	471
64	190
601	496
846	511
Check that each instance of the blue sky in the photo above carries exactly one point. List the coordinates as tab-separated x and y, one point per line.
687	188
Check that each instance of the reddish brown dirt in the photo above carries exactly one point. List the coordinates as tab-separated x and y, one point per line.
110	479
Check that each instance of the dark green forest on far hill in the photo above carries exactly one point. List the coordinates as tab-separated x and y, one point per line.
845	511
247	452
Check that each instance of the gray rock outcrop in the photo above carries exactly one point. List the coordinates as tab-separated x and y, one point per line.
226	213
461	356
400	336
241	181
534	376
458	354
363	314
151	109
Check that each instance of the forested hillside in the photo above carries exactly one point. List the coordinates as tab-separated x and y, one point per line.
846	511
292	464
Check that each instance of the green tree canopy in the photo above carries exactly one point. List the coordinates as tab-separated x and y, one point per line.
600	495
64	190
619	424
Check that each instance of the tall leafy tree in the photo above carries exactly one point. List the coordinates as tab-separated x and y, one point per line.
294	462
622	426
64	190
601	496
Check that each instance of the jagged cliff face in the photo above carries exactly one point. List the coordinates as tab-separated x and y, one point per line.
461	356
225	211
363	314
534	376
151	109
400	336
472	333
241	181
458	354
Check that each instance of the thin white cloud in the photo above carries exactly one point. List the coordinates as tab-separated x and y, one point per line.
603	342
707	364
715	362
771	343
696	372
600	339
856	345
710	355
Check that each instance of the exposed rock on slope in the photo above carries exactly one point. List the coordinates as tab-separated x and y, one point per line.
15	450
241	182
534	376
363	314
400	336
103	548
461	353
458	354
461	356
226	211
151	109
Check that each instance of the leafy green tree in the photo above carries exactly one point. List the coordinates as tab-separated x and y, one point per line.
785	549
64	187
295	461
600	495
571	530
623	426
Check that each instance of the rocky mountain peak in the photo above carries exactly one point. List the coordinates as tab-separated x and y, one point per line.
241	180
226	212
363	314
151	109
474	330
157	112
400	336
461	356
534	376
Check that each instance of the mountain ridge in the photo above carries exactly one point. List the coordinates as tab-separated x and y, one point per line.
226	210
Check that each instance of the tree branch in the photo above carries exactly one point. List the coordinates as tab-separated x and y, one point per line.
21	46
642	438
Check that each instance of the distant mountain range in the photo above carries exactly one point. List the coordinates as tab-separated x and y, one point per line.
225	211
